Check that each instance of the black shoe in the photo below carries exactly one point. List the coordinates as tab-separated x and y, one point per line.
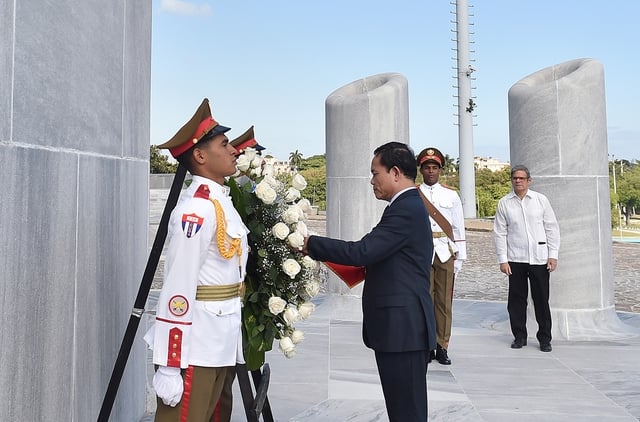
545	347
442	357
518	343
432	356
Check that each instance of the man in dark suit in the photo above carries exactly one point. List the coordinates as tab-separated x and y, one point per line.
398	319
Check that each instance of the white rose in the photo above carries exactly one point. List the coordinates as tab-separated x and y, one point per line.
291	195
272	181
301	214
255	172
276	305
309	262
295	240
256	163
291	267
298	182
243	163
301	228
291	315
287	347
297	336
265	193
250	153
306	309
280	230
291	215
312	288
304	205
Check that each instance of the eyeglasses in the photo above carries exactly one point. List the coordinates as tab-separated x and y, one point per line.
519	178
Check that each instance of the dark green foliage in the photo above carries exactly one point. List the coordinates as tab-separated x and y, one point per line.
159	163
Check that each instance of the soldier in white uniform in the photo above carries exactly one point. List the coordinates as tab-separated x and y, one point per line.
449	253
197	338
222	412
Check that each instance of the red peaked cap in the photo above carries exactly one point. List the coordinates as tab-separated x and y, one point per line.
193	131
430	154
246	140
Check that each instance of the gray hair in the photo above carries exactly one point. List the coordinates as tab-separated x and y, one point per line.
520	167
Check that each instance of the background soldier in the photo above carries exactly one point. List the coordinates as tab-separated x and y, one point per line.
447	225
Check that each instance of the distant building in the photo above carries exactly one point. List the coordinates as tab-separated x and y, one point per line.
490	163
278	166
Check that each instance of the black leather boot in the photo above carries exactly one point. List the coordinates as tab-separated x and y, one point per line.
441	356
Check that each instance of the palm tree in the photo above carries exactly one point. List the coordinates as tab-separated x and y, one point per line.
449	165
295	158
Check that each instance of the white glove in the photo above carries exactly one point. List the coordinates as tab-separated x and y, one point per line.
168	384
457	266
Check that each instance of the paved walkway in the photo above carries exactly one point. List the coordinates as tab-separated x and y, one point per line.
334	378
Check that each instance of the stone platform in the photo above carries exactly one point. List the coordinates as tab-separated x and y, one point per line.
333	377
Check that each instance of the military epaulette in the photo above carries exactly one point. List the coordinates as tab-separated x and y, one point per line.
202	192
448	187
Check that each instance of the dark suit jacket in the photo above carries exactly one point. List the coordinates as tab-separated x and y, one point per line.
396	305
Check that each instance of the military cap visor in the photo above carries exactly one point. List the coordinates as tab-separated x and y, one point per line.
201	124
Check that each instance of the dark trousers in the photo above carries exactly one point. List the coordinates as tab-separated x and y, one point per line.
522	275
403	376
202	389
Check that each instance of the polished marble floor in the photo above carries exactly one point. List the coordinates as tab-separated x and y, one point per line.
333	377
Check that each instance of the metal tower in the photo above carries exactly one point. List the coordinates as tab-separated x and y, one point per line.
466	106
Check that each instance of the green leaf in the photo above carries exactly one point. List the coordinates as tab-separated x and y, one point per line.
254	359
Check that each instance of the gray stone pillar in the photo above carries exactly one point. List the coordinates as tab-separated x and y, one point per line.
558	129
360	117
74	150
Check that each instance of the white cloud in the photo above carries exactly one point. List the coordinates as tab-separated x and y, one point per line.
183	7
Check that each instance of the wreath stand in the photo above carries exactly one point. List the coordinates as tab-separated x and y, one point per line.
258	404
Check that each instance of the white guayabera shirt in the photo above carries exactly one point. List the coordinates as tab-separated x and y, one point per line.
526	230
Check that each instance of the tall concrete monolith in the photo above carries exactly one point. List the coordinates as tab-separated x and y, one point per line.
558	129
74	170
360	117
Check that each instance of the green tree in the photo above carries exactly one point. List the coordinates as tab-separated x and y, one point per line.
159	163
449	166
315	161
490	187
316	190
628	191
295	158
314	170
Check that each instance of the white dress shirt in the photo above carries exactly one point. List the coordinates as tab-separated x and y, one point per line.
526	230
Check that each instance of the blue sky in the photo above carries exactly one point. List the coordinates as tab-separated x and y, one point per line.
272	64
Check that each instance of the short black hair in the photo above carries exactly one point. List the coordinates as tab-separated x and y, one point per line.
396	154
186	158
